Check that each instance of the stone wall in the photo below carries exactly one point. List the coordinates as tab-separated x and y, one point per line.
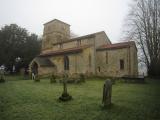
55	31
55	27
78	62
88	41
101	39
69	45
56	37
111	67
42	70
134	60
46	70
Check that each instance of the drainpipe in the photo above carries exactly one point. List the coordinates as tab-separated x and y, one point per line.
129	61
94	53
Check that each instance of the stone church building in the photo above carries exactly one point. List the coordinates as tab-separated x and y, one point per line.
92	54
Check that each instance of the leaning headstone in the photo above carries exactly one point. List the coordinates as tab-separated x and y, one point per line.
2	71
65	96
107	93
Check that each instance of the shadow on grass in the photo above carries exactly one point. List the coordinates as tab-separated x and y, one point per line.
115	111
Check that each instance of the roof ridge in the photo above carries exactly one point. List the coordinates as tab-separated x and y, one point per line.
56	20
120	43
79	37
117	45
88	34
64	50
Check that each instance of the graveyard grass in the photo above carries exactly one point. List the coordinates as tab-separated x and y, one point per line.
27	100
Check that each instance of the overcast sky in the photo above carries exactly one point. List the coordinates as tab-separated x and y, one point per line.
84	16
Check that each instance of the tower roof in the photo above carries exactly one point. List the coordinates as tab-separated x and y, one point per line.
57	21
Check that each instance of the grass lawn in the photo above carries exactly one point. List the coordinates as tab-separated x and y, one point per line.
27	100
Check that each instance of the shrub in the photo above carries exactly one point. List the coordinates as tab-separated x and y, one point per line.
71	80
53	78
82	77
2	80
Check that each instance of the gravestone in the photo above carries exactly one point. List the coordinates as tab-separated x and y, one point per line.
107	93
2	71
65	96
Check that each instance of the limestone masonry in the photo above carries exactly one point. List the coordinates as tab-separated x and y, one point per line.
92	54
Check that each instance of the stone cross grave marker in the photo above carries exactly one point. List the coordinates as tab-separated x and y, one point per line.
65	96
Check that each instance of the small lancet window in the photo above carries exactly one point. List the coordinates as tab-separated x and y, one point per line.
106	57
78	43
60	46
66	63
121	64
99	69
89	57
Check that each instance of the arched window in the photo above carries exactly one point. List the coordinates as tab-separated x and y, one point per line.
78	43
121	64
106	57
66	63
99	69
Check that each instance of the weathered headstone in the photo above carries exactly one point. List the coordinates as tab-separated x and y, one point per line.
2	71
107	93
65	96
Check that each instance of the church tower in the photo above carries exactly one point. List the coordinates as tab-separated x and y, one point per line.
55	31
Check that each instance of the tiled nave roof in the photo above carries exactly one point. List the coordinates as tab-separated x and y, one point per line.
64	51
116	45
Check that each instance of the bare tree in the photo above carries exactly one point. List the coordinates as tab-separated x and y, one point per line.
144	27
73	35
